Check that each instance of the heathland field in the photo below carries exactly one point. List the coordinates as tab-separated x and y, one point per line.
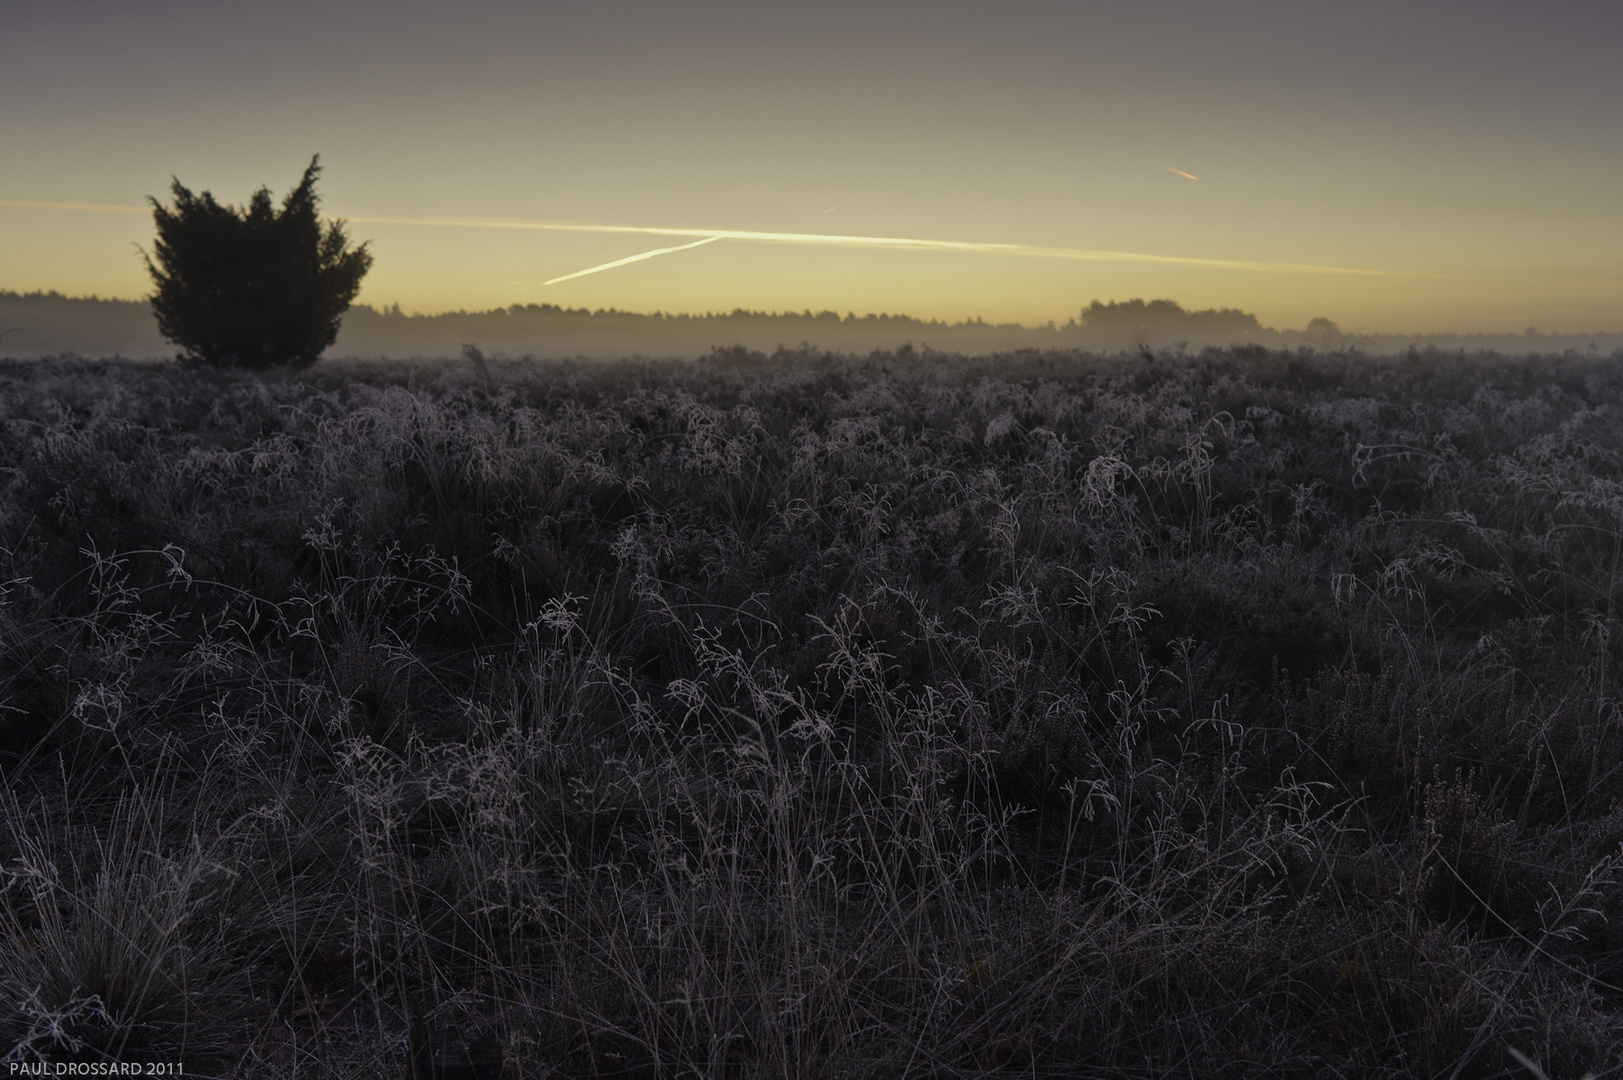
1241	714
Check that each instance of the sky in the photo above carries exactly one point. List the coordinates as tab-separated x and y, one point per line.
1414	166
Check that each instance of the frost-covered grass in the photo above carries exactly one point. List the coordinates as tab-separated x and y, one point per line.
805	716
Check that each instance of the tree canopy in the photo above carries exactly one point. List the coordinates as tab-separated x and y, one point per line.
255	286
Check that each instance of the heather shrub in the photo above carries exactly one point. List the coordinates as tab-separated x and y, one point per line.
811	715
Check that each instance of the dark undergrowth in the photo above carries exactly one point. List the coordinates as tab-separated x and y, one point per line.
1245	714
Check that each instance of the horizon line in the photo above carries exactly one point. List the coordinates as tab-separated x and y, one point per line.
381	308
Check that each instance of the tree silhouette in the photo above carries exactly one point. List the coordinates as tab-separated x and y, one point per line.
252	287
1140	322
1321	333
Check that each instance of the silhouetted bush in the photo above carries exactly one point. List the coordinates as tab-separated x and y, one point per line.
252	287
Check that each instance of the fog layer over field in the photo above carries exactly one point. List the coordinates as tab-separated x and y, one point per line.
37	325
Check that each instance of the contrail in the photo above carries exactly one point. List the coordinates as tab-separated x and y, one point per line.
94	208
1180	172
892	242
823	239
632	259
813	240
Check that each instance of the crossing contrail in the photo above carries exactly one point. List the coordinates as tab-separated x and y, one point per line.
632	259
887	242
895	243
93	208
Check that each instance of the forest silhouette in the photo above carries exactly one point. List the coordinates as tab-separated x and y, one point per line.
50	324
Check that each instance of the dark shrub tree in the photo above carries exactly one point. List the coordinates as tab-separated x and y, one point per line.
254	286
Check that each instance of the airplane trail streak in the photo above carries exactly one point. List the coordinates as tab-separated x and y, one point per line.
632	259
94	208
1180	172
893	243
810	240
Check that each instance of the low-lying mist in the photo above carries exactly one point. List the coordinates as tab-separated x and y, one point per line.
35	325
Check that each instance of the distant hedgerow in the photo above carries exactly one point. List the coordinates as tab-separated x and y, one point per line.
252	287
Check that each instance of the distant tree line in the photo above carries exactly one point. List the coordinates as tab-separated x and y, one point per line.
1169	315
51	324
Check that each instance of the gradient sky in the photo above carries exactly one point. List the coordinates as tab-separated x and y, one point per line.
1468	154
